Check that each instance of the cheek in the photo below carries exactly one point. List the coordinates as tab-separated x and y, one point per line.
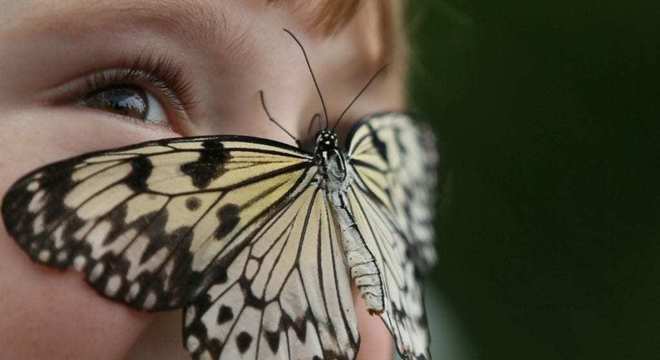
248	117
29	139
37	299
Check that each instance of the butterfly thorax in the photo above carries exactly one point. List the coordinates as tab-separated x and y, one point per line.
329	158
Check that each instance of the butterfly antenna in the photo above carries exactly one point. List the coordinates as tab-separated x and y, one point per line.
373	77
315	120
263	104
309	66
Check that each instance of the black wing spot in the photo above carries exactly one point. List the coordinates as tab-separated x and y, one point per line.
225	314
380	146
228	216
273	339
221	276
209	166
300	328
137	179
399	141
193	203
243	341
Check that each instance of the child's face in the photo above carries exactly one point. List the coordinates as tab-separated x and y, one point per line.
63	66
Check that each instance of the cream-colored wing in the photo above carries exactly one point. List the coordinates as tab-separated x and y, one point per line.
396	162
145	223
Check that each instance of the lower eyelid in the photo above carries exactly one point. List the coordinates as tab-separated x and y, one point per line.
101	114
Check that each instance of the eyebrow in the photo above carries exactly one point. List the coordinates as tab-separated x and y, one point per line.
198	22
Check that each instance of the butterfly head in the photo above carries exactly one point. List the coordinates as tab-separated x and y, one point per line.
326	140
329	157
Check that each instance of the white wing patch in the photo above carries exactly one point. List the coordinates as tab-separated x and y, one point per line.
286	295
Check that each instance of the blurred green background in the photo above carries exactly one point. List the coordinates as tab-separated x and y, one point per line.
548	230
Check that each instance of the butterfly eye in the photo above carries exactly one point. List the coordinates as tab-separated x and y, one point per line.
127	100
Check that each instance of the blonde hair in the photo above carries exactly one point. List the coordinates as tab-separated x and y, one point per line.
329	16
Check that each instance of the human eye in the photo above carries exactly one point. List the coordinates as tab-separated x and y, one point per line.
150	90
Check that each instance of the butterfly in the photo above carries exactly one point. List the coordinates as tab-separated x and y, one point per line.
258	241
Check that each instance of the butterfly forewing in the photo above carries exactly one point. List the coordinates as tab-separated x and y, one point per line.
395	161
144	222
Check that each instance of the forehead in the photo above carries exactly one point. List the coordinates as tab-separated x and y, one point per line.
325	15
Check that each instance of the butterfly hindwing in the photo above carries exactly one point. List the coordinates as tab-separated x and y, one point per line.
404	311
287	294
393	169
145	221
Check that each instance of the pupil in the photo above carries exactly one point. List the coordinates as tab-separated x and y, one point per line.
123	100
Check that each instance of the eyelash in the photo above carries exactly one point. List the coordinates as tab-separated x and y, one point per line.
155	73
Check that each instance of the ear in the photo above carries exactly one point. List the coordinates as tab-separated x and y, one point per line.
368	25
378	35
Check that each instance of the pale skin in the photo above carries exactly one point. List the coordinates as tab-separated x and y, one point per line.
228	51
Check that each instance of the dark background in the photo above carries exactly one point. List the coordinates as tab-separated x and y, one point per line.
548	230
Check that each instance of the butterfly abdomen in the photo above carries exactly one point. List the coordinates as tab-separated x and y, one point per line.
361	262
